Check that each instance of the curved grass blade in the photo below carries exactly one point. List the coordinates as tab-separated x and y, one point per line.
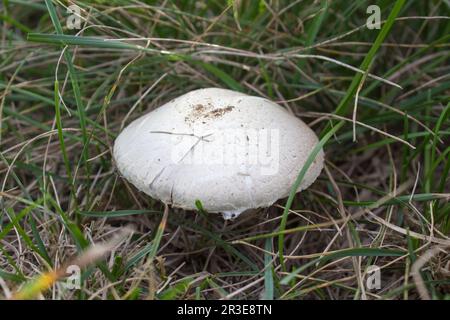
296	184
354	252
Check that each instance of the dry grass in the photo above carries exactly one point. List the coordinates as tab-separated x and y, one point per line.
382	199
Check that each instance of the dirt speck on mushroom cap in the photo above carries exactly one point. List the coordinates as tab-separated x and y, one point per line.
202	113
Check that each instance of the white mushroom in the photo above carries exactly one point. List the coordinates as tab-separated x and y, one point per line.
229	150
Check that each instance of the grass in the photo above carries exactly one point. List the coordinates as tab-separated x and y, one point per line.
379	100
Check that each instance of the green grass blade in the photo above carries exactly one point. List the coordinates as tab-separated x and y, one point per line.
268	274
73	80
297	183
345	102
116	214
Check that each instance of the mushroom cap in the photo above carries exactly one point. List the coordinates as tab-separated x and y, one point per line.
229	150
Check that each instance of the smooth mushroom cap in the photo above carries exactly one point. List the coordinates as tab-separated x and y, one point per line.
229	150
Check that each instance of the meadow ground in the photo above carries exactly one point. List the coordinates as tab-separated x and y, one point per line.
377	97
